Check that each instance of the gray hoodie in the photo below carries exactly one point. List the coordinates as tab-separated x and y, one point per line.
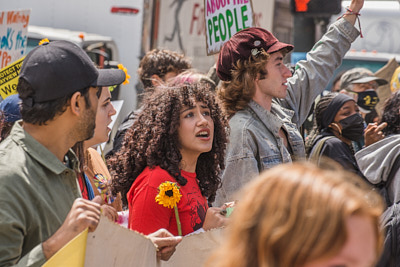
376	161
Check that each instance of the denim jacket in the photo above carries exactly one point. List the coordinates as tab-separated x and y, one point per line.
254	142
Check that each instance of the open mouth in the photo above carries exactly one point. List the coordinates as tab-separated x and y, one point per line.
203	134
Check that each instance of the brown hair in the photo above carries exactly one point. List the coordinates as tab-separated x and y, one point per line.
236	94
294	214
391	114
5	127
160	62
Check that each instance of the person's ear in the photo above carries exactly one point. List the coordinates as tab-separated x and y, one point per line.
76	103
156	80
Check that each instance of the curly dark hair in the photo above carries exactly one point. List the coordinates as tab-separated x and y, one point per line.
153	140
4	130
40	113
160	62
5	127
391	114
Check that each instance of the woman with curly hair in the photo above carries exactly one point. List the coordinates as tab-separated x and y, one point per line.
179	137
299	215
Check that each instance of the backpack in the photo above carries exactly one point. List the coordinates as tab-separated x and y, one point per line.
390	221
316	150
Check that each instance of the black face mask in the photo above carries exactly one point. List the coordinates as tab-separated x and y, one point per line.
352	127
368	99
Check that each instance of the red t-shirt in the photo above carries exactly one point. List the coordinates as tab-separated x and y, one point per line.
147	216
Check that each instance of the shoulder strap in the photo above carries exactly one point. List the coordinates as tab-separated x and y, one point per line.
316	151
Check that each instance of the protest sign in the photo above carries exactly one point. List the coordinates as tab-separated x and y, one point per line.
9	78
196	249
113	245
223	19
72	254
384	91
13	35
182	28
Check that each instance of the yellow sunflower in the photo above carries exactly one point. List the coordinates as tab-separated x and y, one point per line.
43	41
168	195
121	67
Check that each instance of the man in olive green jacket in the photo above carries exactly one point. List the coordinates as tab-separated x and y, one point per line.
41	205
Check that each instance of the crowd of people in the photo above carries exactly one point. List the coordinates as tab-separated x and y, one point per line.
200	145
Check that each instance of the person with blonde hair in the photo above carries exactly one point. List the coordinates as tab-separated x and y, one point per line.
300	215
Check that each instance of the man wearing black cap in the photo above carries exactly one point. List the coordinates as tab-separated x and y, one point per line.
41	209
265	103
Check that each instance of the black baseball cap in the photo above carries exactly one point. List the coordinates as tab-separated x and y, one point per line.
59	68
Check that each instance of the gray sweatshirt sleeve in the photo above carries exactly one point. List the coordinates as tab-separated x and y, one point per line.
312	75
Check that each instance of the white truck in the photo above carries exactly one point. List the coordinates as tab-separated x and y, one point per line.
101	49
380	26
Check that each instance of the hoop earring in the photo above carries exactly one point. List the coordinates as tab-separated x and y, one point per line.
337	126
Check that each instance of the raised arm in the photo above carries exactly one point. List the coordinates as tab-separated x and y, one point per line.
312	75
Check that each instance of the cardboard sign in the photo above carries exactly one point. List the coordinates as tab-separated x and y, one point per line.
9	78
384	91
114	245
223	19
13	35
72	254
194	250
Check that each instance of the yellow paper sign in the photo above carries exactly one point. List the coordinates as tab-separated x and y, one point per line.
9	78
72	254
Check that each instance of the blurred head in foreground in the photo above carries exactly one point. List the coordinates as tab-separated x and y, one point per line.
301	215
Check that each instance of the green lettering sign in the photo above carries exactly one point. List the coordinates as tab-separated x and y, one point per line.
222	26
244	18
229	20
209	24
215	18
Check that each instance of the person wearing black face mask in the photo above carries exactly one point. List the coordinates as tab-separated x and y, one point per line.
361	84
338	122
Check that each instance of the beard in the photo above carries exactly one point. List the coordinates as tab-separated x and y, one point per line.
86	126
